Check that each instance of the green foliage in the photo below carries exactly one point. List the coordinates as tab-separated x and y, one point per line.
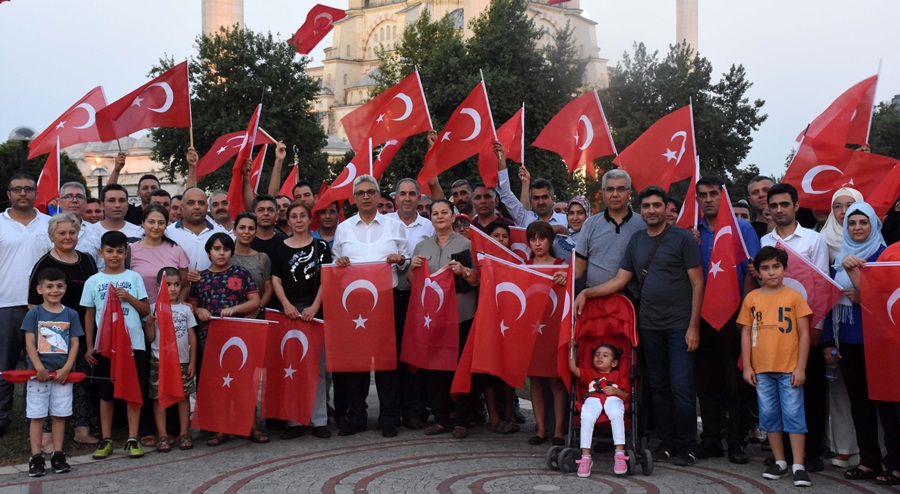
10	163
884	138
232	72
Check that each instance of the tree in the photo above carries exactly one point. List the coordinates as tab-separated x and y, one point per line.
885	136
10	161
234	70
504	46
643	88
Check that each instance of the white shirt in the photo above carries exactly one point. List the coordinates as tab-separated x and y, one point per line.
360	242
19	251
89	243
194	245
808	244
523	217
418	230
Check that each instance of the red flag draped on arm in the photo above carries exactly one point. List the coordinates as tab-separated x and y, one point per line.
162	102
235	189
512	136
722	293
123	370
48	182
817	288
879	292
663	154
358	304
431	334
230	377
397	113
848	119
225	148
78	124
293	356
171	386
578	133
319	22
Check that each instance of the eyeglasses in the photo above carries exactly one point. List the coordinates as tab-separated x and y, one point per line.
362	193
461	226
69	197
20	189
620	189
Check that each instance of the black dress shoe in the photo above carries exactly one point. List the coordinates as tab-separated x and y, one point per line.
321	432
709	449
293	432
414	423
737	455
349	430
389	431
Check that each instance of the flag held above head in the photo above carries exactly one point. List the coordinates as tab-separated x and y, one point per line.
235	192
665	153
48	182
319	22
578	133
78	124
848	119
225	148
512	136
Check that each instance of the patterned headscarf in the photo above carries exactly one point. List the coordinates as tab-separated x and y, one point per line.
832	231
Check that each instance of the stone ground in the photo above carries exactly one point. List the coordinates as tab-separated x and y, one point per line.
410	462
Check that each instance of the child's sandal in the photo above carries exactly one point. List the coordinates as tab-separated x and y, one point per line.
185	442
163	446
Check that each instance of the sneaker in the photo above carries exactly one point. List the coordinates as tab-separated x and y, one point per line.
737	455
775	472
36	466
662	453
104	449
584	466
621	464
684	460
58	462
801	479
134	448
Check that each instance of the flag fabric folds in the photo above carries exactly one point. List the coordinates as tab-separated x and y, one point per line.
689	216
431	334
578	133
319	22
123	370
848	119
78	124
544	358
235	191
817	288
171	386
512	136
518	243
48	182
665	153
397	113
482	242
722	279
256	168
879	292
287	188
225	148
293	356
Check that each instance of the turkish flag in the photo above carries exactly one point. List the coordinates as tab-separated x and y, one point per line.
884	196
293	356
579	133
820	168
816	287
22	376
518	243
358	304
48	182
235	191
663	154
256	169
848	119
78	124
171	386
469	129
231	373
287	188
512	136
689	216
225	148
431	334
319	22
879	292
722	293
123	370
482	242
545	358
103	338
566	328
513	303
162	102
341	189
397	113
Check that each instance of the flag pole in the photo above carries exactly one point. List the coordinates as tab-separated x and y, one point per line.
371	165
191	134
872	113
187	74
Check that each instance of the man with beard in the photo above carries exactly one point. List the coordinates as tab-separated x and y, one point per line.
540	195
146	185
304	194
218	206
484	201
461	196
284	202
115	206
328	222
193	230
20	227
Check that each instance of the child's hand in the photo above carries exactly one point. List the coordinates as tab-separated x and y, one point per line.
229	312
193	276
610	390
749	375
203	315
798	377
571	343
191	370
151	319
89	357
121	293
43	375
62	375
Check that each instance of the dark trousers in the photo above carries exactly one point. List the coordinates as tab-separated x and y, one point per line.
438	386
12	341
387	384
412	385
670	374
720	384
866	413
815	403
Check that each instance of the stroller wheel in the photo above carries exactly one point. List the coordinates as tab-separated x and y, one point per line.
647	462
632	461
567	459
552	457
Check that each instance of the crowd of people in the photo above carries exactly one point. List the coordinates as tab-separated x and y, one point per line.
58	271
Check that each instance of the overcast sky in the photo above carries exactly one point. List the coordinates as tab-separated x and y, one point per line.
800	54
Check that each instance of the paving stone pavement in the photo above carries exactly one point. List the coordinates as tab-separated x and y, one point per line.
411	462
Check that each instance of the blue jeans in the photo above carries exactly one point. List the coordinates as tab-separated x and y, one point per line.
780	404
669	369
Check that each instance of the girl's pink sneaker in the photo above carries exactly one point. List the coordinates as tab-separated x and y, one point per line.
621	465
584	466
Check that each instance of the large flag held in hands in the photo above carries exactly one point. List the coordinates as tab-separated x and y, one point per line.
358	305
48	182
235	191
665	153
397	113
512	136
293	356
78	124
817	288
879	292
319	22
728	251
848	119
123	370
225	148
162	102
171	386
469	129
231	373
545	355
431	334
579	133
820	168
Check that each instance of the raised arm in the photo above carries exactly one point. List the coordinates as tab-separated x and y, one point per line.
192	159
433	184
117	168
275	179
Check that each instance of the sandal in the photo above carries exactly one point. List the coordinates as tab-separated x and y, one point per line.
537	440
888	477
258	437
436	429
218	440
460	432
506	427
148	441
857	473
163	445
185	442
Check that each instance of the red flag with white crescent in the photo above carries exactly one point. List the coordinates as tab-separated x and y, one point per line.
78	124
48	182
879	292
722	292
545	358
431	334
162	102
171	385
817	288
230	376
123	369
293	355
397	113
512	136
518	243
566	328
256	168
225	148
665	153
341	189
358	305
287	188
482	242
689	216
849	117
319	22
579	133
885	195
235	192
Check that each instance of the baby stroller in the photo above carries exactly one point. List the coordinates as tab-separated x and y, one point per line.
612	320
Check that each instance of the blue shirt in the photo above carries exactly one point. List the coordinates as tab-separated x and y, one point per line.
706	243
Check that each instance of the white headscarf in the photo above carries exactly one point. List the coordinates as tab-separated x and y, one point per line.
832	231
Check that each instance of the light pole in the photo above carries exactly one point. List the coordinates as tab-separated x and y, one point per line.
99	172
24	135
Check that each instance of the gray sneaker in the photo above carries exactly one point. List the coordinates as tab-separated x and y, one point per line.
801	479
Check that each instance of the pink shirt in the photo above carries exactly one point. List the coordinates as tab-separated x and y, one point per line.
147	261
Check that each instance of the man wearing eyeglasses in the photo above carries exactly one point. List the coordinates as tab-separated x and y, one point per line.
20	228
72	198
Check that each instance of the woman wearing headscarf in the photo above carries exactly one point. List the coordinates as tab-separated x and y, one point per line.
862	242
833	231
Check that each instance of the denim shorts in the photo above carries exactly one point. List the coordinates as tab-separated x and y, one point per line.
48	398
780	404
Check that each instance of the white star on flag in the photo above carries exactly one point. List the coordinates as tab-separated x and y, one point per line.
670	155
428	321
227	380
538	327
221	150
380	118
715	268
137	101
61	124
360	322
446	137
503	328
289	372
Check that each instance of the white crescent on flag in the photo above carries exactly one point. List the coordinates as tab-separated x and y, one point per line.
589	133
170	98
476	118
236	342
409	106
363	285
507	286
806	183
92	113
